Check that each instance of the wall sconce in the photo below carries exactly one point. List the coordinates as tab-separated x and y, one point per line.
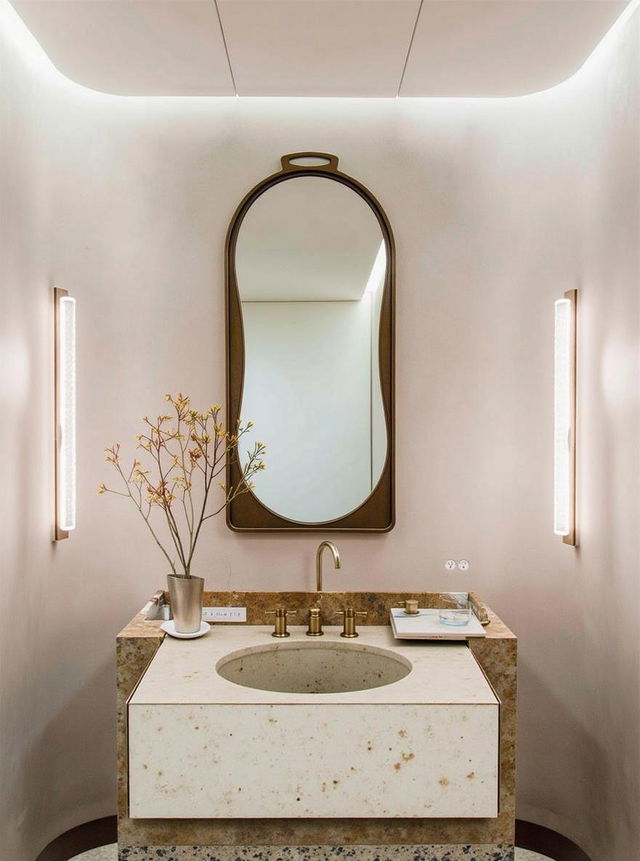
564	461
65	412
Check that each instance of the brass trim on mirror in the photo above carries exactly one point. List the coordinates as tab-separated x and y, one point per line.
246	513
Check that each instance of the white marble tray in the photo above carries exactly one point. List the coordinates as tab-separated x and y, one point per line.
427	626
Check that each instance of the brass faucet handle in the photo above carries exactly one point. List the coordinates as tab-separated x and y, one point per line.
410	606
349	611
315	622
280	628
349	615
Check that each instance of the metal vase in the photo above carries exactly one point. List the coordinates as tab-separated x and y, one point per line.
185	596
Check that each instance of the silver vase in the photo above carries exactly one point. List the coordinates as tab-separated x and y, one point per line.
185	596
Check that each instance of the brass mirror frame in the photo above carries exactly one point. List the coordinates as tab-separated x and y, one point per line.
247	513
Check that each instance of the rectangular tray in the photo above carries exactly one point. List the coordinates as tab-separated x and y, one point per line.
427	626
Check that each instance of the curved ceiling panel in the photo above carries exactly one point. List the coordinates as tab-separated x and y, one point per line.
133	47
502	47
318	47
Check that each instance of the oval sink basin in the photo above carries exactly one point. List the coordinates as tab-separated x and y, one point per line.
313	668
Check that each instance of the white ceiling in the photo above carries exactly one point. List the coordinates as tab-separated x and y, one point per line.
502	47
318	47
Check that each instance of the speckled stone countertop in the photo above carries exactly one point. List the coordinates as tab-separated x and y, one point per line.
497	655
182	671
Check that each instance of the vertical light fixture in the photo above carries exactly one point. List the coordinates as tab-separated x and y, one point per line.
564	461
65	412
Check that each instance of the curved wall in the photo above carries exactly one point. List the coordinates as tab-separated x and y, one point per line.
498	206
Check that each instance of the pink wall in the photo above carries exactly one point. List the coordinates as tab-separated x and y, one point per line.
498	206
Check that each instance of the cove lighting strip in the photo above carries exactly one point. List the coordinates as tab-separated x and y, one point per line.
65	412
564	461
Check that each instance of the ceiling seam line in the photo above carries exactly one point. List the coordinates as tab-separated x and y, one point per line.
226	48
406	59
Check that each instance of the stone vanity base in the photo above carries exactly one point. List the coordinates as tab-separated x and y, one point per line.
322	839
484	852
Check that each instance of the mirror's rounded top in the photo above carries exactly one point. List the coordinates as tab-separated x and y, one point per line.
307	239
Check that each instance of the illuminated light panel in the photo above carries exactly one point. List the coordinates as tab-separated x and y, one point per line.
65	365
565	418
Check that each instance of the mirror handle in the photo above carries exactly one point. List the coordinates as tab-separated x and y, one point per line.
330	161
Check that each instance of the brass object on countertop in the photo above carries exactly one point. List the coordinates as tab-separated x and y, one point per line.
280	628
315	623
349	616
410	606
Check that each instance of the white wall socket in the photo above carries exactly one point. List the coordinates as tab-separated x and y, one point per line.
224	614
462	565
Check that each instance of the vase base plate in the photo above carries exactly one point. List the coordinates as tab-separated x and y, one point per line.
170	628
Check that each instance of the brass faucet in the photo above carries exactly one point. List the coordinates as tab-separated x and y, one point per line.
336	561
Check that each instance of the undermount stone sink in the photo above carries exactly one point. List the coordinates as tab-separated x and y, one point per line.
313	668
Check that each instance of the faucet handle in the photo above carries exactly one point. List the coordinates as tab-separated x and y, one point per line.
349	616
280	628
315	622
410	606
349	611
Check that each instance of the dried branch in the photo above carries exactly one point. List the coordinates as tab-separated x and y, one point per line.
186	445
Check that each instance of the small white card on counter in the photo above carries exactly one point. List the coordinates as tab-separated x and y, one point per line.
224	614
427	626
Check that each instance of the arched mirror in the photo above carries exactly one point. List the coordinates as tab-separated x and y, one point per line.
310	282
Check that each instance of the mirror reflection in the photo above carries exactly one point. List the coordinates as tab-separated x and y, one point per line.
310	267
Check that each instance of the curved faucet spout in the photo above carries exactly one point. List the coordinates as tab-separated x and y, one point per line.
336	561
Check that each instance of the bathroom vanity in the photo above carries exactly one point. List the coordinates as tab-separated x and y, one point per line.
307	744
241	744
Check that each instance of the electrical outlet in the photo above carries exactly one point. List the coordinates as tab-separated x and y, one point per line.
224	614
450	564
464	565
